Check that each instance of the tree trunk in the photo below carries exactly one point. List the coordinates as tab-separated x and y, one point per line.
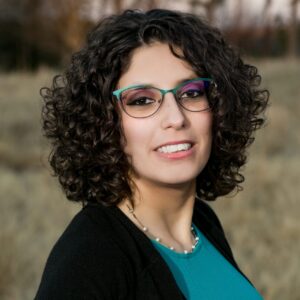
292	30
117	6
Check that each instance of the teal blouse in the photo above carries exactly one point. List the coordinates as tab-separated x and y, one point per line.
206	274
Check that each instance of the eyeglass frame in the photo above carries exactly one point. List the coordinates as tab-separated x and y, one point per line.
117	94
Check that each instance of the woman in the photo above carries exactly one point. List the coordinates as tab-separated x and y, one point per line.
152	119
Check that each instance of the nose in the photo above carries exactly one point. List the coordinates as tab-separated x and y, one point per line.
172	113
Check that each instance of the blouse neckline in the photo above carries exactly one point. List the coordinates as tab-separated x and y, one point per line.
177	254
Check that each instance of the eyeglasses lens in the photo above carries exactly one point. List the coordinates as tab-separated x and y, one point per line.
193	95
141	102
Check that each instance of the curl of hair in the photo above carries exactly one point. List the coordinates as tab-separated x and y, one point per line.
81	119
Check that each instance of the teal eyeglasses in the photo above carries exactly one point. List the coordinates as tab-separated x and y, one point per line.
142	101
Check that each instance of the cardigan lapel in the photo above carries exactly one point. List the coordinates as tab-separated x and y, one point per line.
212	232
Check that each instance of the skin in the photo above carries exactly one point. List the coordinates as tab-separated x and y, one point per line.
166	188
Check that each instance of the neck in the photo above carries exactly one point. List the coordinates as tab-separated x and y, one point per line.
165	210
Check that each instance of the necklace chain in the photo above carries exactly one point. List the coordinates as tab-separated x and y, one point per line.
159	240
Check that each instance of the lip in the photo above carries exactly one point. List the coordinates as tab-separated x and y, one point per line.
177	155
175	143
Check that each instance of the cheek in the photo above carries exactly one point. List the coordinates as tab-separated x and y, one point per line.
204	125
210	125
204	129
134	134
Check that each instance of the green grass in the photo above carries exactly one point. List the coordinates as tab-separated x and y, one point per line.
262	222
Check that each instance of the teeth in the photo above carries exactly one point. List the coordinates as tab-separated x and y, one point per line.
174	148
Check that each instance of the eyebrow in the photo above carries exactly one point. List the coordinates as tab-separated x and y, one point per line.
186	79
177	82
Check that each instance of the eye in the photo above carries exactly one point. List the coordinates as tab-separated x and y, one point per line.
140	96
192	93
140	101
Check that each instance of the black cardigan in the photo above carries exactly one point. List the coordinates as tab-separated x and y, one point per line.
103	255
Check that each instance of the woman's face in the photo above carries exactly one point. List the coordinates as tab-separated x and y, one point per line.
171	124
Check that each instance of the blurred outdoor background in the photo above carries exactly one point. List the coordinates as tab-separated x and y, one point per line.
262	222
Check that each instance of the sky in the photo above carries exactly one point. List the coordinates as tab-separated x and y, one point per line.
281	7
251	9
254	9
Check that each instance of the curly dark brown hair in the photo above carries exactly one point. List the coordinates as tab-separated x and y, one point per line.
81	119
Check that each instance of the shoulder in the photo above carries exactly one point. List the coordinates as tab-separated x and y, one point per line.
88	237
210	225
85	261
203	209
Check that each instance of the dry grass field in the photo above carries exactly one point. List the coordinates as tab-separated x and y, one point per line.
262	222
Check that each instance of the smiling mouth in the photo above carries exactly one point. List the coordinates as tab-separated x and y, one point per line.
175	148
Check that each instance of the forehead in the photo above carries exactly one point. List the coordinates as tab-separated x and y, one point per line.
155	64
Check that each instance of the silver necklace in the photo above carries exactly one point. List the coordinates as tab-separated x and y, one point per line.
159	240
